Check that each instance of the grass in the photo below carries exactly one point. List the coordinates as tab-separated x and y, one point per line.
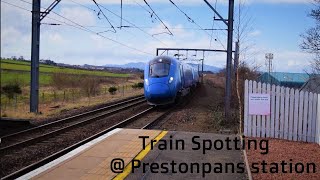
26	67
23	78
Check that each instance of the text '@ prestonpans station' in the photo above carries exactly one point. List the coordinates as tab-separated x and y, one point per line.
204	146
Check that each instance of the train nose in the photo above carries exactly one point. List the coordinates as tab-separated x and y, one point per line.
159	90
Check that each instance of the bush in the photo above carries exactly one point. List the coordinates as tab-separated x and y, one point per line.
112	90
11	89
137	85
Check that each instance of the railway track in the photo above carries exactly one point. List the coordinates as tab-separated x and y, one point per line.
39	133
144	119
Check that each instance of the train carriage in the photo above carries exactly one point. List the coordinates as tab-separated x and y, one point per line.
167	78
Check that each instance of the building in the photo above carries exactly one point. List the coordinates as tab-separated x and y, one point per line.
291	80
312	85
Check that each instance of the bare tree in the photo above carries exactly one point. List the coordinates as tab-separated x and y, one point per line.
243	28
311	38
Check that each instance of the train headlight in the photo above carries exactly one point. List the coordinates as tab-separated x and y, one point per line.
171	79
147	82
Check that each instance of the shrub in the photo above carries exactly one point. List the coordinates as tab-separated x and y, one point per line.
11	89
137	85
112	90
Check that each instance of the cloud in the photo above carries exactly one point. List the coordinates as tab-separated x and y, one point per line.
255	33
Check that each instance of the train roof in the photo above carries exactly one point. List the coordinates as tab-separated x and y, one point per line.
169	59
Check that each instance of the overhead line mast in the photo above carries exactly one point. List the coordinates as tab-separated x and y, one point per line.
229	23
37	16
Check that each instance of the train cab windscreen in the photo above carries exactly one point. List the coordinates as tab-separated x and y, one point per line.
159	69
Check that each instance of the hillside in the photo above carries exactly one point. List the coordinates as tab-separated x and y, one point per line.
12	70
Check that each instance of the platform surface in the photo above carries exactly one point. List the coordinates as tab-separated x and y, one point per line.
93	160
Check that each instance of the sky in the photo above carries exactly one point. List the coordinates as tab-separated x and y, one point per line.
85	36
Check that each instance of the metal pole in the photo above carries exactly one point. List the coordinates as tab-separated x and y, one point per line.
229	60
202	68
35	44
202	72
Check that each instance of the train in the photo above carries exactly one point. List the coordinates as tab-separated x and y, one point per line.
166	79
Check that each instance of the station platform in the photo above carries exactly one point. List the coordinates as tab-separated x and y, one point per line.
148	154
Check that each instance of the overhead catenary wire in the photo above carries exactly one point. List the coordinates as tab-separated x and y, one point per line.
158	17
104	27
81	27
151	14
215	6
133	25
188	17
127	21
100	11
16	6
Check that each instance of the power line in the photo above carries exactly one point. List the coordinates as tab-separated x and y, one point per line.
215	6
158	18
132	25
188	17
149	27
151	15
81	27
83	5
91	9
100	11
16	6
192	21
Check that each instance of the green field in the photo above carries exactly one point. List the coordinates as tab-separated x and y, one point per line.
22	78
19	71
25	66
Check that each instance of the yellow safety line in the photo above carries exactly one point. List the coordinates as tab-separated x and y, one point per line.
127	170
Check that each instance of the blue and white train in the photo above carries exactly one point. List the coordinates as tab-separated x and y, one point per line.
166	79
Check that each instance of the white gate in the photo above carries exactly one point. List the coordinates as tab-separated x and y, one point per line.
295	115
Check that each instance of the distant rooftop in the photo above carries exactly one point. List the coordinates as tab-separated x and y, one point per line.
312	85
294	80
290	77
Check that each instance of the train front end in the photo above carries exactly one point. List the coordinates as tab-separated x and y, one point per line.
160	81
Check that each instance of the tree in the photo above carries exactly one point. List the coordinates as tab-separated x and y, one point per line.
311	38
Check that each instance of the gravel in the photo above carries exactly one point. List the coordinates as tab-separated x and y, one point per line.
290	152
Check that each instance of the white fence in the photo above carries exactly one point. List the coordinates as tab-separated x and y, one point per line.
295	115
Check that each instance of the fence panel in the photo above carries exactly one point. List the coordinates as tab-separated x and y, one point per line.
291	116
314	117
254	118
310	118
294	114
286	114
273	99
277	115
268	119
263	118
245	115
258	117
282	115
250	117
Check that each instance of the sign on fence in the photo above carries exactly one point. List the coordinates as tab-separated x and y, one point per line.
259	104
279	112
